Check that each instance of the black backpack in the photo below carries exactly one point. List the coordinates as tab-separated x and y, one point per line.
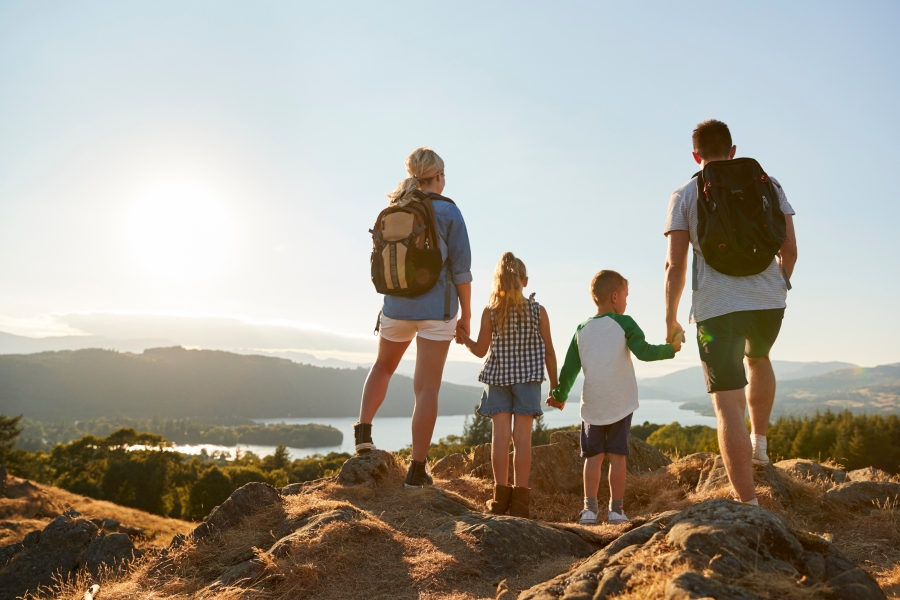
406	254
740	225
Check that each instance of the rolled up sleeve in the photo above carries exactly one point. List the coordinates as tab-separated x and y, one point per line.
458	249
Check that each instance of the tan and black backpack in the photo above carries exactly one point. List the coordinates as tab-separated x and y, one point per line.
406	252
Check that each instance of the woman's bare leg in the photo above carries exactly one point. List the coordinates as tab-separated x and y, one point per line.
501	431
430	358
389	356
522	442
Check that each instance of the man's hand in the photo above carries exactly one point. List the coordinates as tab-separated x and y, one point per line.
673	330
551	401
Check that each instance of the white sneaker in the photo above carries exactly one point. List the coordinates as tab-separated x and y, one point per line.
615	518
587	517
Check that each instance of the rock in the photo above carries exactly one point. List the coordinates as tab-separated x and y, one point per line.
370	468
451	466
508	543
480	455
243	502
110	551
860	495
808	470
869	474
68	543
718	542
308	527
131	531
708	471
242	573
110	525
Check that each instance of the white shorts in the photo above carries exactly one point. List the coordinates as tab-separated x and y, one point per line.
398	330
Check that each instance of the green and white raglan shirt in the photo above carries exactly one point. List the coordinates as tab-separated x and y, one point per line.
602	347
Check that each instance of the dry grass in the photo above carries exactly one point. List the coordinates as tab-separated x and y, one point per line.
31	506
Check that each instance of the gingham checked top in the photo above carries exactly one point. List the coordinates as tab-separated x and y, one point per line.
516	354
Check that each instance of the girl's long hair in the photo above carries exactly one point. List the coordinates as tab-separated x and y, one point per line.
506	292
422	165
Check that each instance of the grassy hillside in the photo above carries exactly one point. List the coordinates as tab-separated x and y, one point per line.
177	383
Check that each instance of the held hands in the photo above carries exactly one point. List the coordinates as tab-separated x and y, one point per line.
675	335
551	401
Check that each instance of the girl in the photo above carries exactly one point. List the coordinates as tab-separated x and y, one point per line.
515	334
421	317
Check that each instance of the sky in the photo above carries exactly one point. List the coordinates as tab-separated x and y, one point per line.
191	171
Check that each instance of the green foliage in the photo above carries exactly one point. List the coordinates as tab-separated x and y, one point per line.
678	439
642	432
540	435
853	440
478	431
212	489
9	431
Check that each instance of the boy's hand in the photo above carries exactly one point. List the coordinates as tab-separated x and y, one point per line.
677	341
551	401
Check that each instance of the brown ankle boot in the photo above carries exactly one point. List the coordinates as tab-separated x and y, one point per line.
500	503
520	503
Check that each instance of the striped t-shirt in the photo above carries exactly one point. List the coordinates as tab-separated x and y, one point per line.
715	293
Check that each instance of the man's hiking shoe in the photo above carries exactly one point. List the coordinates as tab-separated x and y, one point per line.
417	476
362	436
587	517
615	518
732	495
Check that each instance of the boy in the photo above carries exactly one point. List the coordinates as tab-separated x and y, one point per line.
601	347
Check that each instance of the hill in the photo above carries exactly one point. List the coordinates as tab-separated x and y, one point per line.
689	383
178	383
871	390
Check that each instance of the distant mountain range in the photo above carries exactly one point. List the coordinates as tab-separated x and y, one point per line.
174	382
857	389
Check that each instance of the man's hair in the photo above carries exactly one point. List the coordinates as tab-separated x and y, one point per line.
604	284
712	139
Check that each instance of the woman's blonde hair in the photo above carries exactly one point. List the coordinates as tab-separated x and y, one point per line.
423	165
506	291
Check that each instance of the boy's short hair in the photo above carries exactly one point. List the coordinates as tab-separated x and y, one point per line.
604	284
712	139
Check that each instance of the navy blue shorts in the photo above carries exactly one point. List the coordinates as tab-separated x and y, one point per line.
605	439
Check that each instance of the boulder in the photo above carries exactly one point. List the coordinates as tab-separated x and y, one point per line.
704	552
242	503
861	495
67	544
308	526
808	470
451	466
370	469
869	474
704	472
506	544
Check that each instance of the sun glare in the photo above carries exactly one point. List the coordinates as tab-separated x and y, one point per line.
180	232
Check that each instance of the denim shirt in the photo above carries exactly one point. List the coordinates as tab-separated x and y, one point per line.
454	243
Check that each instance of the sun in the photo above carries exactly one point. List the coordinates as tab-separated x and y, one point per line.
180	232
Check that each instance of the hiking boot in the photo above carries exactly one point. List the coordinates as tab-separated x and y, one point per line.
417	476
587	517
760	458
500	504
615	518
362	436
520	502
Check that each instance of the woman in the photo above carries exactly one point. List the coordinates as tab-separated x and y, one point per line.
422	317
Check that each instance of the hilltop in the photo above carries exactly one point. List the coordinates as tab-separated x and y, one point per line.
358	534
177	383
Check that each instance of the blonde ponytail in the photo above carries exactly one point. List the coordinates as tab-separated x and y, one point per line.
506	291
423	165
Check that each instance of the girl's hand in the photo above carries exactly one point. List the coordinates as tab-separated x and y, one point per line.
551	401
677	341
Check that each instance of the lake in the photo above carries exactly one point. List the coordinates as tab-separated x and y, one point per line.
393	433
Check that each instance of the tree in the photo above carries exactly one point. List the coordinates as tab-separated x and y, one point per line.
211	490
9	432
478	431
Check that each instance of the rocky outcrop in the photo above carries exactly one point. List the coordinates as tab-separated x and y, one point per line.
507	544
707	550
68	544
862	495
370	469
808	470
242	503
704	472
451	466
869	474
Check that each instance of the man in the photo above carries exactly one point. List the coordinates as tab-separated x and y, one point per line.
735	317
